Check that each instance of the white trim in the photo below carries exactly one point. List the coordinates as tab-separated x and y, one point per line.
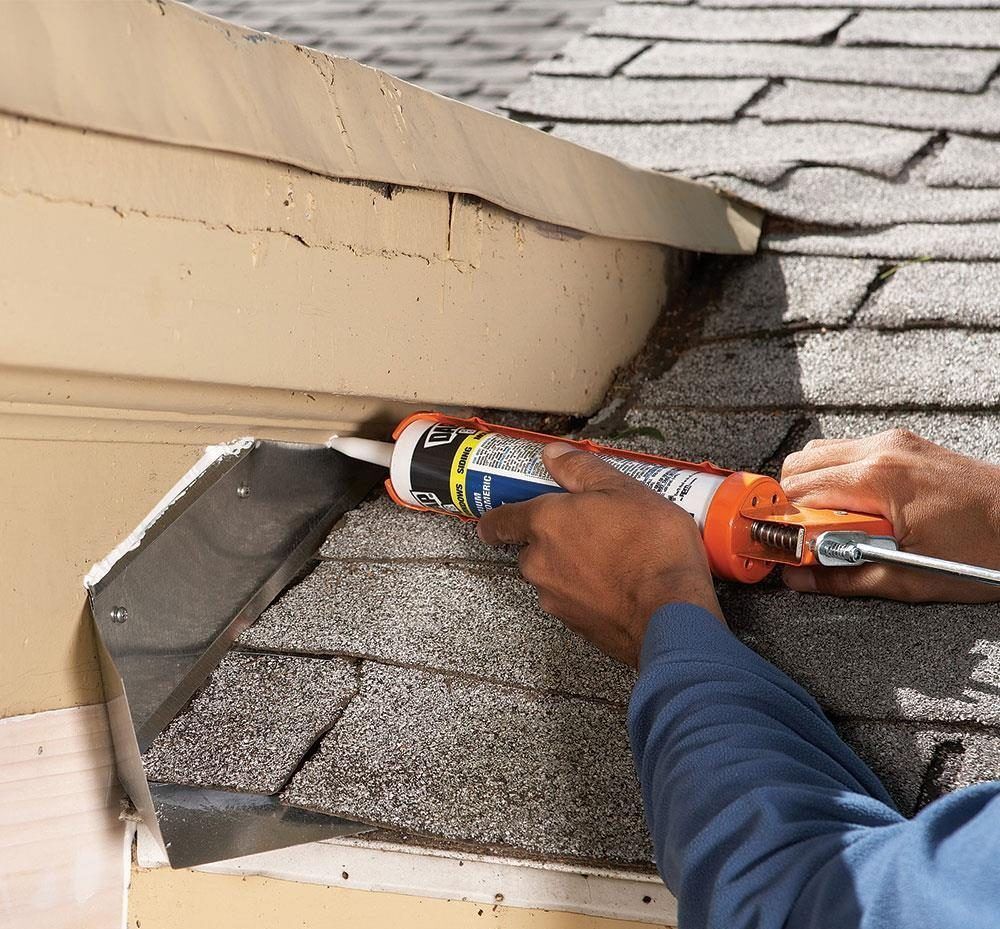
62	864
385	867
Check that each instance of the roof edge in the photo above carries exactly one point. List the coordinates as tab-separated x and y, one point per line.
167	73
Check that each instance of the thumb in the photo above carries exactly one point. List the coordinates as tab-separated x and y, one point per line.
577	470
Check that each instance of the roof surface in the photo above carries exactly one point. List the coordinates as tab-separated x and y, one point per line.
871	132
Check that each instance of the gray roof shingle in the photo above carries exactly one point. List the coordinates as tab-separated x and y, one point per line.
691	23
622	100
928	68
250	726
748	148
805	101
495	766
945	27
966	162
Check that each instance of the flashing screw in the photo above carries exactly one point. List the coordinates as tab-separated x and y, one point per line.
119	614
243	491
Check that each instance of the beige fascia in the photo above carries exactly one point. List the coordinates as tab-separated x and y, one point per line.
214	234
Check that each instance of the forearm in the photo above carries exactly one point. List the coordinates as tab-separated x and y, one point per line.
760	814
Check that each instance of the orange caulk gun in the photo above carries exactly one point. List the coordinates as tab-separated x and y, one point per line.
466	467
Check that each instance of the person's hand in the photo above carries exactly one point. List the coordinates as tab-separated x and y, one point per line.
605	556
939	502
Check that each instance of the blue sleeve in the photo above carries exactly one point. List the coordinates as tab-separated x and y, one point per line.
761	815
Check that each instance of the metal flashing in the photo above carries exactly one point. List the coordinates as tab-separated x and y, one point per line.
167	73
205	563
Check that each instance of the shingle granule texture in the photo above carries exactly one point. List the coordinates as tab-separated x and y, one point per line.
480	623
632	101
837	197
959	28
381	530
585	56
697	435
772	292
953	293
500	767
670	22
806	101
251	724
836	369
930	69
748	148
877	658
947	241
975	434
966	162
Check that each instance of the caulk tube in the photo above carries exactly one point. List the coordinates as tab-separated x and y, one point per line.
467	472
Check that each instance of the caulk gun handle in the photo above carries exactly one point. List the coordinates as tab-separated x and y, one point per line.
970	572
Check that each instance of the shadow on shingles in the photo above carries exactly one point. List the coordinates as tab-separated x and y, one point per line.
861	660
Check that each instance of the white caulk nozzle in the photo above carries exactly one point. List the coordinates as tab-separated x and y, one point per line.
379	453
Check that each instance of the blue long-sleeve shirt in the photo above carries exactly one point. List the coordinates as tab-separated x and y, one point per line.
762	816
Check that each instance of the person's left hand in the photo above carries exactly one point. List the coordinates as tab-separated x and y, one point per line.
605	556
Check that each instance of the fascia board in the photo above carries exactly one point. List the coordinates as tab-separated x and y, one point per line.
164	72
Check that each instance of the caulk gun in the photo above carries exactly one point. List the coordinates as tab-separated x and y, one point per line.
466	467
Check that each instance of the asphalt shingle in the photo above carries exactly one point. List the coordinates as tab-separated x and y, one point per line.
876	658
587	56
490	765
691	23
696	436
947	241
935	69
250	725
748	148
632	101
837	197
944	27
381	530
770	292
483	623
835	369
806	101
952	293
966	162
973	434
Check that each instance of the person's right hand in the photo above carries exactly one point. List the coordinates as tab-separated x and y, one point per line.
939	502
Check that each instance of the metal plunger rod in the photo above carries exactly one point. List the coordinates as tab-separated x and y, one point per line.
855	552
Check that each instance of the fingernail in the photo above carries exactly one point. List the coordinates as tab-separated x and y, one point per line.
557	449
801	579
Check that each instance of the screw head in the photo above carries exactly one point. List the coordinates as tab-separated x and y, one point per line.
119	614
243	491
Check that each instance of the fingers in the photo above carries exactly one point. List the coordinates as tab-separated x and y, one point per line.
824	453
577	470
870	580
510	524
843	487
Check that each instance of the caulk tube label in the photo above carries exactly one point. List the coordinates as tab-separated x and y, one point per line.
457	469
